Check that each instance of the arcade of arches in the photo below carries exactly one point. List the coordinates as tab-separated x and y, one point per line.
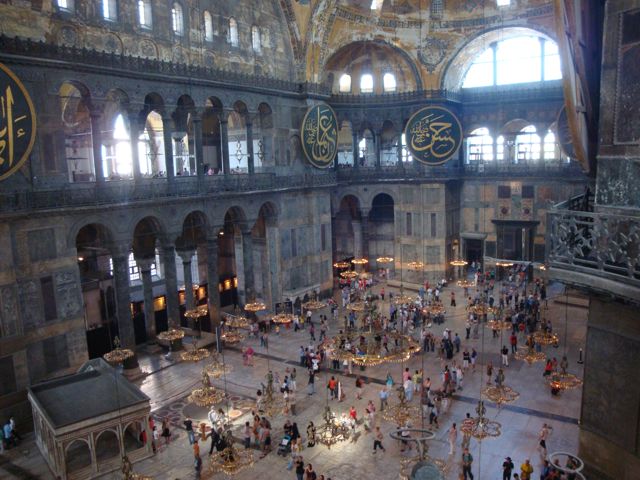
168	186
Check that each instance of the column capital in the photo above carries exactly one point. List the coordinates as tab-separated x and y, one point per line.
145	263
119	251
186	255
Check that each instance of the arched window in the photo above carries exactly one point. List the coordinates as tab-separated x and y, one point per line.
345	83
550	147
500	148
515	60
479	146
256	42
208	27
65	4
503	3
145	18
110	10
177	21
232	36
389	82
527	145
366	83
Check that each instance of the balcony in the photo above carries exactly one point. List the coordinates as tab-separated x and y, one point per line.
595	250
128	191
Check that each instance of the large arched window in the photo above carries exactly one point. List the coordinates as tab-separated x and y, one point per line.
479	146
232	36
144	14
515	60
177	20
256	42
527	145
345	83
208	27
389	82
366	83
110	10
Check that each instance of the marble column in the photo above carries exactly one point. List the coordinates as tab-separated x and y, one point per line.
399	151
213	279
356	150
186	256
96	138
199	152
224	143
247	260
134	135
250	159
144	264
378	142
357	238
168	253
168	148
273	271
120	258
365	232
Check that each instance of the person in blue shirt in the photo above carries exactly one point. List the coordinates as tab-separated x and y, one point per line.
9	439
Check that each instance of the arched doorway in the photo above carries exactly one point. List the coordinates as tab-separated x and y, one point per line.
382	230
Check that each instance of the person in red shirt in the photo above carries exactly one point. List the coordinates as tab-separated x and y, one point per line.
352	413
514	342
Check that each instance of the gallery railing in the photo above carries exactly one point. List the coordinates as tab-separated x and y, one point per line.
606	245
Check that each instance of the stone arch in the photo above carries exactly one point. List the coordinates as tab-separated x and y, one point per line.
77	455
456	67
382	191
194	229
131	437
359	202
107	444
147	231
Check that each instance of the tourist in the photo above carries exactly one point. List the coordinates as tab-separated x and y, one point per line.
359	384
500	378
311	385
466	359
505	356
507	468
333	388
311	435
467	461
377	440
526	469
166	433
456	342
452	436
247	435
542	437
265	438
292	403
341	394
408	389
299	468
453	300
489	372
292	378
215	439
467	328
384	395
474	359
309	473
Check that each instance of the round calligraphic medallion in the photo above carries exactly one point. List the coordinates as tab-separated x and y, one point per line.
433	135
319	134
17	123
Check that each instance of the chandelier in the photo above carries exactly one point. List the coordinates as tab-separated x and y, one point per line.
357	306
433	309
384	260
118	355
349	274
367	349
217	368
402	411
283	318
271	404
197	312
499	325
415	265
564	381
231	337
195	355
544	337
331	431
255	307
403	299
342	265
465	283
359	261
500	394
458	262
482	309
171	335
314	304
207	395
504	264
232	321
231	460
529	355
480	427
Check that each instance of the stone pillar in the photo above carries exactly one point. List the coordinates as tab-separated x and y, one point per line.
213	279
224	143
168	148
144	264
365	232
96	138
356	153
378	140
120	258
134	135
199	152
168	253
247	259
357	238
186	256
250	159
399	151
273	271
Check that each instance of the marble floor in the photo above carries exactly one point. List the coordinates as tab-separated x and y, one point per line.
169	383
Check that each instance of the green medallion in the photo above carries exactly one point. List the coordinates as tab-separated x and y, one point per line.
17	123
319	134
433	135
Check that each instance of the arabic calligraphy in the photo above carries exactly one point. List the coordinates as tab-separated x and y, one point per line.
433	135
17	123
320	136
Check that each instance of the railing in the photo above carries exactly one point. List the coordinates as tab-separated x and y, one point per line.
528	169
510	93
394	173
393	98
128	191
603	245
